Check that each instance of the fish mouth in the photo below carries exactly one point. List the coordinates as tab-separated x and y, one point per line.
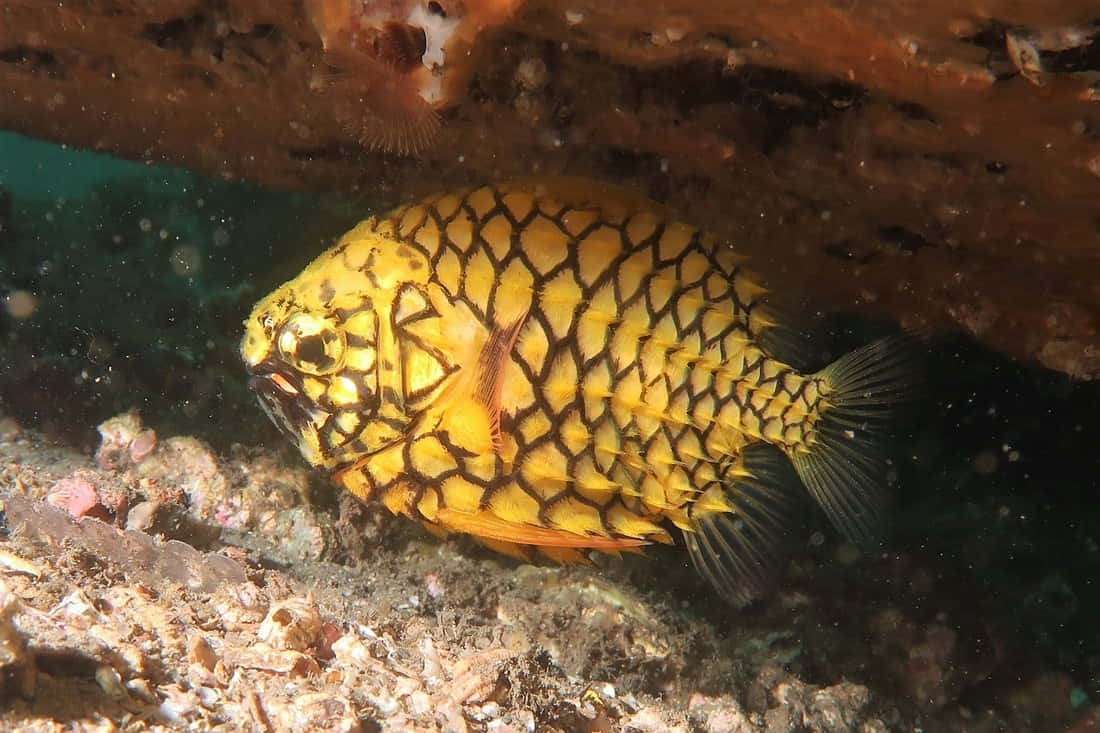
282	399
303	422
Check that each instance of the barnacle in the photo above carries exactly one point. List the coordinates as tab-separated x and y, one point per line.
394	64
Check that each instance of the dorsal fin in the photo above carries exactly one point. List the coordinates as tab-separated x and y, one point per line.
578	192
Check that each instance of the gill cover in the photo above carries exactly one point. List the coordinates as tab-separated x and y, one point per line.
345	356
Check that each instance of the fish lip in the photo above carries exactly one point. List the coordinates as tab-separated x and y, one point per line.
263	383
293	409
261	375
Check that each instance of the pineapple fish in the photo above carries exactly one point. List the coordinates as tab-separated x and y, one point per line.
561	366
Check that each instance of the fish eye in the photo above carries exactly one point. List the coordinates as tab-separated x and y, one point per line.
311	344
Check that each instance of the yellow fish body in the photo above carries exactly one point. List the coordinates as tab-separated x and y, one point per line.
563	366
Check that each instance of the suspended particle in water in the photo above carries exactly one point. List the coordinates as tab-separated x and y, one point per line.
100	349
21	304
186	260
846	553
532	74
985	463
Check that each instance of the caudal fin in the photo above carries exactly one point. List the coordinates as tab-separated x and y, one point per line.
844	465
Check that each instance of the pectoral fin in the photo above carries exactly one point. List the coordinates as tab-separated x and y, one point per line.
491	365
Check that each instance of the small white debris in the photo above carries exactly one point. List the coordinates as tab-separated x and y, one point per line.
12	563
110	681
1024	56
291	624
418	703
675	34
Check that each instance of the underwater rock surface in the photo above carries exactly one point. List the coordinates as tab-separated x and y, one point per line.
291	611
924	163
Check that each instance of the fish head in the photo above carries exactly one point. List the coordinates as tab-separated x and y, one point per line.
344	358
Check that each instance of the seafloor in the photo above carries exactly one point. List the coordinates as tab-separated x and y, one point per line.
180	568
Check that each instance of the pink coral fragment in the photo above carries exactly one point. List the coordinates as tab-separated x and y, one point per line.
77	496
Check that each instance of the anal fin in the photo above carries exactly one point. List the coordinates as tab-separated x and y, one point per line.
484	524
741	551
525	553
567	556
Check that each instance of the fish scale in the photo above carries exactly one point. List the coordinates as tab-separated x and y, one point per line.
564	366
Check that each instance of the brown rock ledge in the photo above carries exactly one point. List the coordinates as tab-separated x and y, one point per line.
916	161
